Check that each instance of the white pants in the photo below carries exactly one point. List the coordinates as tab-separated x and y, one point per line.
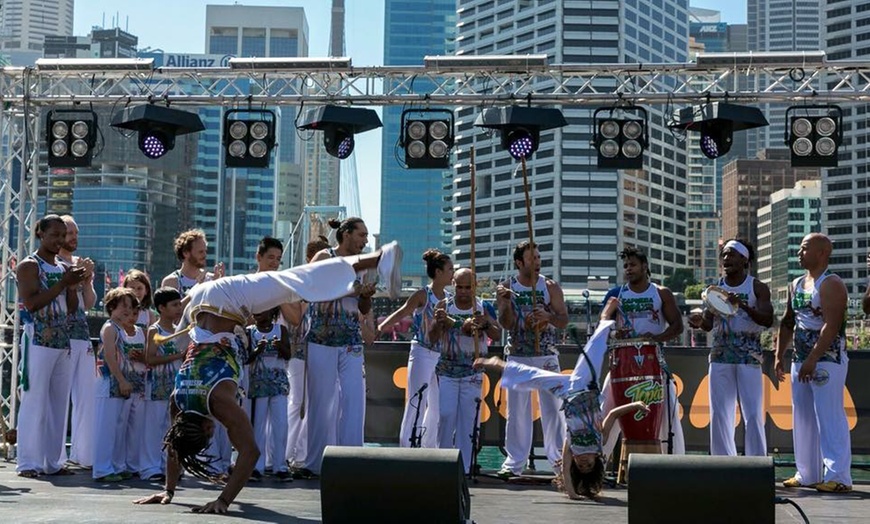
519	427
271	411
728	382
421	370
458	409
43	408
822	444
675	425
297	424
156	423
221	450
111	418
84	384
326	403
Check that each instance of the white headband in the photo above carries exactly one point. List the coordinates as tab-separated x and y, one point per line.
737	246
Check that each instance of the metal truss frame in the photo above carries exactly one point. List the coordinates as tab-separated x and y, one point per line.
24	90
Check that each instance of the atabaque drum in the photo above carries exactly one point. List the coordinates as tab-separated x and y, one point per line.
636	375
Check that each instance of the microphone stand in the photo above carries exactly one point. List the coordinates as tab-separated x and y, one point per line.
475	437
670	439
416	440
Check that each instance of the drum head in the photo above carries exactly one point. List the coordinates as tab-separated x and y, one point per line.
716	300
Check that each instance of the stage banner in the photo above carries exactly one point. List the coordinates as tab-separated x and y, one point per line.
386	376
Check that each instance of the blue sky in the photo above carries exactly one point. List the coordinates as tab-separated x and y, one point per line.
179	26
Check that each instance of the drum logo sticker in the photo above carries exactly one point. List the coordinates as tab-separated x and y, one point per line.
649	392
639	360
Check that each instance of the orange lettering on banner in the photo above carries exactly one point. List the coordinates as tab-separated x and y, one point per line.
777	404
400	380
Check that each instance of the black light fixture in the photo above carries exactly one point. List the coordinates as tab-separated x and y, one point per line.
717	121
71	135
620	142
427	136
157	126
520	127
249	137
814	135
339	125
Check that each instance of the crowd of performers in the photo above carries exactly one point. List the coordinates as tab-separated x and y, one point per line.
270	364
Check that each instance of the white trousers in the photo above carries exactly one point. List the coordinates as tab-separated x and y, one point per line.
152	459
679	441
221	450
822	444
421	370
111	419
84	384
271	411
728	383
297	424
519	427
43	408
458	408
326	403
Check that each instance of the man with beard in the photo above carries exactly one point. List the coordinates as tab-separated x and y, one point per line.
644	311
815	319
84	380
190	248
47	290
735	361
531	307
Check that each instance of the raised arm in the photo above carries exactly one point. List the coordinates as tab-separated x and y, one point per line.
414	302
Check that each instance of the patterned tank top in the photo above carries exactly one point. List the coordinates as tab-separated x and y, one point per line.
133	372
737	339
521	340
162	376
457	349
50	323
336	323
78	320
185	284
422	319
807	307
640	313
205	366
268	372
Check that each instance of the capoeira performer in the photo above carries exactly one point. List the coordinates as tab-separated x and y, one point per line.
531	341
582	462
84	377
735	360
422	403
335	353
206	385
644	311
815	318
458	320
47	290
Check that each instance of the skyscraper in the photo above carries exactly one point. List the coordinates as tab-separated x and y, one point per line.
245	199
780	26
412	200
24	24
846	189
582	215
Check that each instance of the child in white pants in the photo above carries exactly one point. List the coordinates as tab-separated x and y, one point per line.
116	440
163	361
268	388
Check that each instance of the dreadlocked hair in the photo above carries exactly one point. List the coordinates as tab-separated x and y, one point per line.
187	440
588	484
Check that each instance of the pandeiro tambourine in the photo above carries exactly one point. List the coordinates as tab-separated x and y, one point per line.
716	300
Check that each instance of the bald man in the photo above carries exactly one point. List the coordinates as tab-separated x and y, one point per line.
814	318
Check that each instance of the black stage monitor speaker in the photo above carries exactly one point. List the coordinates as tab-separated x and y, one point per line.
700	488
393	485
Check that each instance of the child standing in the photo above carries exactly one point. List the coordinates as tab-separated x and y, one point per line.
268	389
139	282
163	361
120	340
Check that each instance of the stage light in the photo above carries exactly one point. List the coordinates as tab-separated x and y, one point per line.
717	122
339	125
814	135
71	136
249	137
620	142
520	127
157	126
427	136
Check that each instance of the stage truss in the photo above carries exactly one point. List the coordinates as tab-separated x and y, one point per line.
743	78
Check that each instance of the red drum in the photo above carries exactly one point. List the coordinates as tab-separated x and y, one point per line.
636	374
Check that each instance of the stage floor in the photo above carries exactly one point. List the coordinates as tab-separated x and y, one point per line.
77	499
